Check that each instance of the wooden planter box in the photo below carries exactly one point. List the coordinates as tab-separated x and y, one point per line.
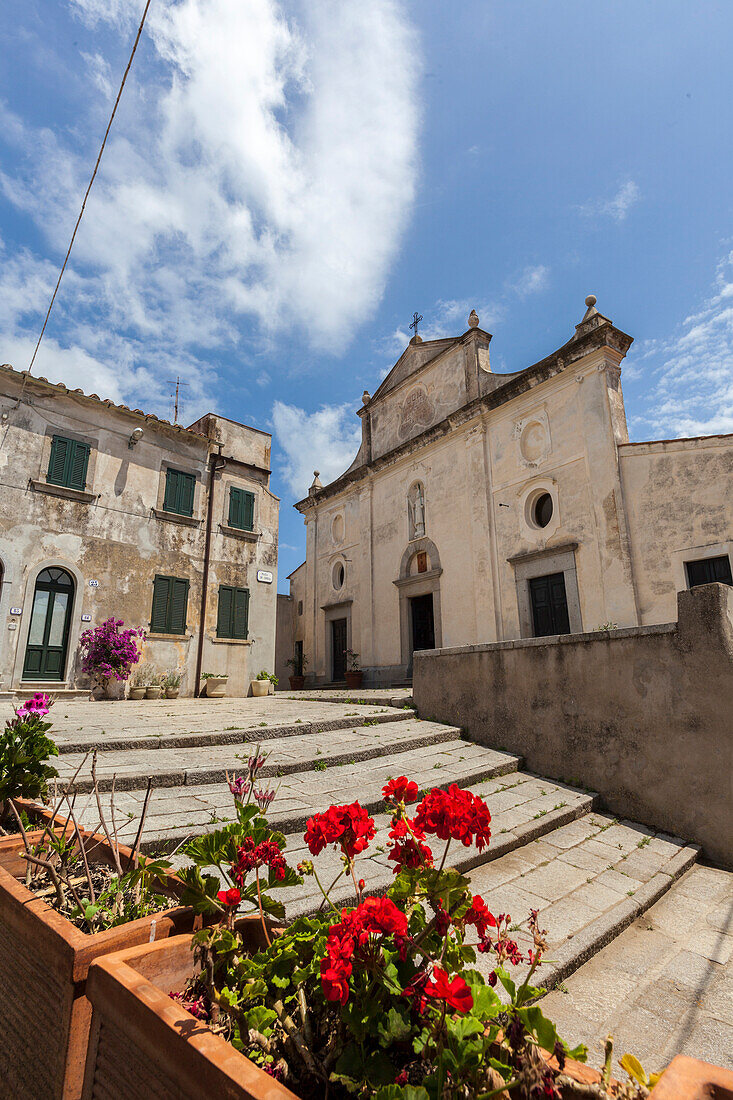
44	961
143	1044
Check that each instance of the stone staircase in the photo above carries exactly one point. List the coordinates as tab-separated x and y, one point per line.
552	848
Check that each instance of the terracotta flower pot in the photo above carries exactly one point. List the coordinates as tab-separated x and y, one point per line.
44	961
260	688
297	683
137	693
354	679
140	1035
171	693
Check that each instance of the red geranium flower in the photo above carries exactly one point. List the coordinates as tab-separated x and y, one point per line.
401	789
456	994
409	851
229	898
455	814
335	981
349	826
479	915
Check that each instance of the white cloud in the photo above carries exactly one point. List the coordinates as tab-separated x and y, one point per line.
692	373
326	440
616	207
532	280
262	169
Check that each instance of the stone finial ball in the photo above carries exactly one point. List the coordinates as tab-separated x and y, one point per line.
473	319
316	473
591	300
365	397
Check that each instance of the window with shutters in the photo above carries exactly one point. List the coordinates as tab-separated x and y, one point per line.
68	463
179	492
241	509
233	617
170	604
708	571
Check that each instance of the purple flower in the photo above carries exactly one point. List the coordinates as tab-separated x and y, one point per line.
239	786
39	704
263	797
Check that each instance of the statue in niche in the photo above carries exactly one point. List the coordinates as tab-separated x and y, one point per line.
416	510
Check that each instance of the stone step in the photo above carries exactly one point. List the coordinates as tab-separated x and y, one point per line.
589	880
665	985
397	696
251	731
179	812
194	766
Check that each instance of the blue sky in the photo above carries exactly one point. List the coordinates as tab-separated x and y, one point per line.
287	182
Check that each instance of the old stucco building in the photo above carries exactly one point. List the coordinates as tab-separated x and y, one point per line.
105	510
484	507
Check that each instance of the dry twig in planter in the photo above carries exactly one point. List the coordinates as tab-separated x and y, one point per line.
115	850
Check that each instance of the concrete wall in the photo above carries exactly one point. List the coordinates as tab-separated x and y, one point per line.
116	534
644	716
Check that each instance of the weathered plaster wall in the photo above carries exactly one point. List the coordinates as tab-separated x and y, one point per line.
679	499
641	715
116	538
284	638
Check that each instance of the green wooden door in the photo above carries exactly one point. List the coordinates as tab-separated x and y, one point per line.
48	636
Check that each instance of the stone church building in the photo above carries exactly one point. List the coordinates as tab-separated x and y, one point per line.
486	507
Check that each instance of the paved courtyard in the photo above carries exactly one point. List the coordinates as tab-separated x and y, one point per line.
640	933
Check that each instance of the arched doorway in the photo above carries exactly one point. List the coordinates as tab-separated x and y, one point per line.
48	634
419	594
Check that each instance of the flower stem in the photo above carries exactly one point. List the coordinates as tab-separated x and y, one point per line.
259	902
445	853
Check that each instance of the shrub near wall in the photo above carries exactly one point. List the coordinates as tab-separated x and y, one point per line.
643	715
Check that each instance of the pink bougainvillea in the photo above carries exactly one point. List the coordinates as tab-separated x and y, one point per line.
108	651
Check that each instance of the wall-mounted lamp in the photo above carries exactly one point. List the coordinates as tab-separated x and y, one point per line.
136	436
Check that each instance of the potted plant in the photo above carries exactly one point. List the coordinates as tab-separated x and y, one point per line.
171	684
261	686
154	690
138	682
274	681
298	664
214	686
378	1000
354	673
66	897
109	652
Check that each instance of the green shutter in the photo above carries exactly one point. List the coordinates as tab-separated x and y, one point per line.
159	614
78	462
241	509
249	510
178	606
171	490
57	462
224	617
241	613
179	491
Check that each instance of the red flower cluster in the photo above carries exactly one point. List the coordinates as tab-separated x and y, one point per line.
230	899
350	826
401	789
375	916
251	856
408	849
455	815
480	916
456	994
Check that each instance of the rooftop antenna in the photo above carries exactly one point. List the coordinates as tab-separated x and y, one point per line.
176	399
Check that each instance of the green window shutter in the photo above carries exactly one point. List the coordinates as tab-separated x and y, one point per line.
241	613
159	614
249	510
178	606
171	490
58	459
236	512
188	485
77	467
224	617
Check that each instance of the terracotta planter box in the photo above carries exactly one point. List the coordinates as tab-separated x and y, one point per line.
689	1079
11	846
354	679
139	1035
44	961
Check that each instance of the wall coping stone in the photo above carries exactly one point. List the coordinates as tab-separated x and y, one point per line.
553	640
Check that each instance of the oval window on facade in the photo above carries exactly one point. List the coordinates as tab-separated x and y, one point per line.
338	575
543	509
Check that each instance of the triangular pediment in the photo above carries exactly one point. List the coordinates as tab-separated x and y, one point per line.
413	358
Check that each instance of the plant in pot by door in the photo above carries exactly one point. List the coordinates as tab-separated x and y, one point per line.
298	664
172	684
261	686
109	652
154	690
214	686
139	682
354	673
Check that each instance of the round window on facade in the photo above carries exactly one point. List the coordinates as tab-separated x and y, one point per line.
542	510
339	575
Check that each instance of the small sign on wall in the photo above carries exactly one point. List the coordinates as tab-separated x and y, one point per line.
16	610
86	618
94	584
264	576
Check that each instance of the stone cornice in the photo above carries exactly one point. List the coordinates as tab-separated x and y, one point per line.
603	335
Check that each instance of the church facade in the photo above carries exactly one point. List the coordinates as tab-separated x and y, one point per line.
487	507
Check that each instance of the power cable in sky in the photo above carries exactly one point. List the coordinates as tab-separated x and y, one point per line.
91	181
